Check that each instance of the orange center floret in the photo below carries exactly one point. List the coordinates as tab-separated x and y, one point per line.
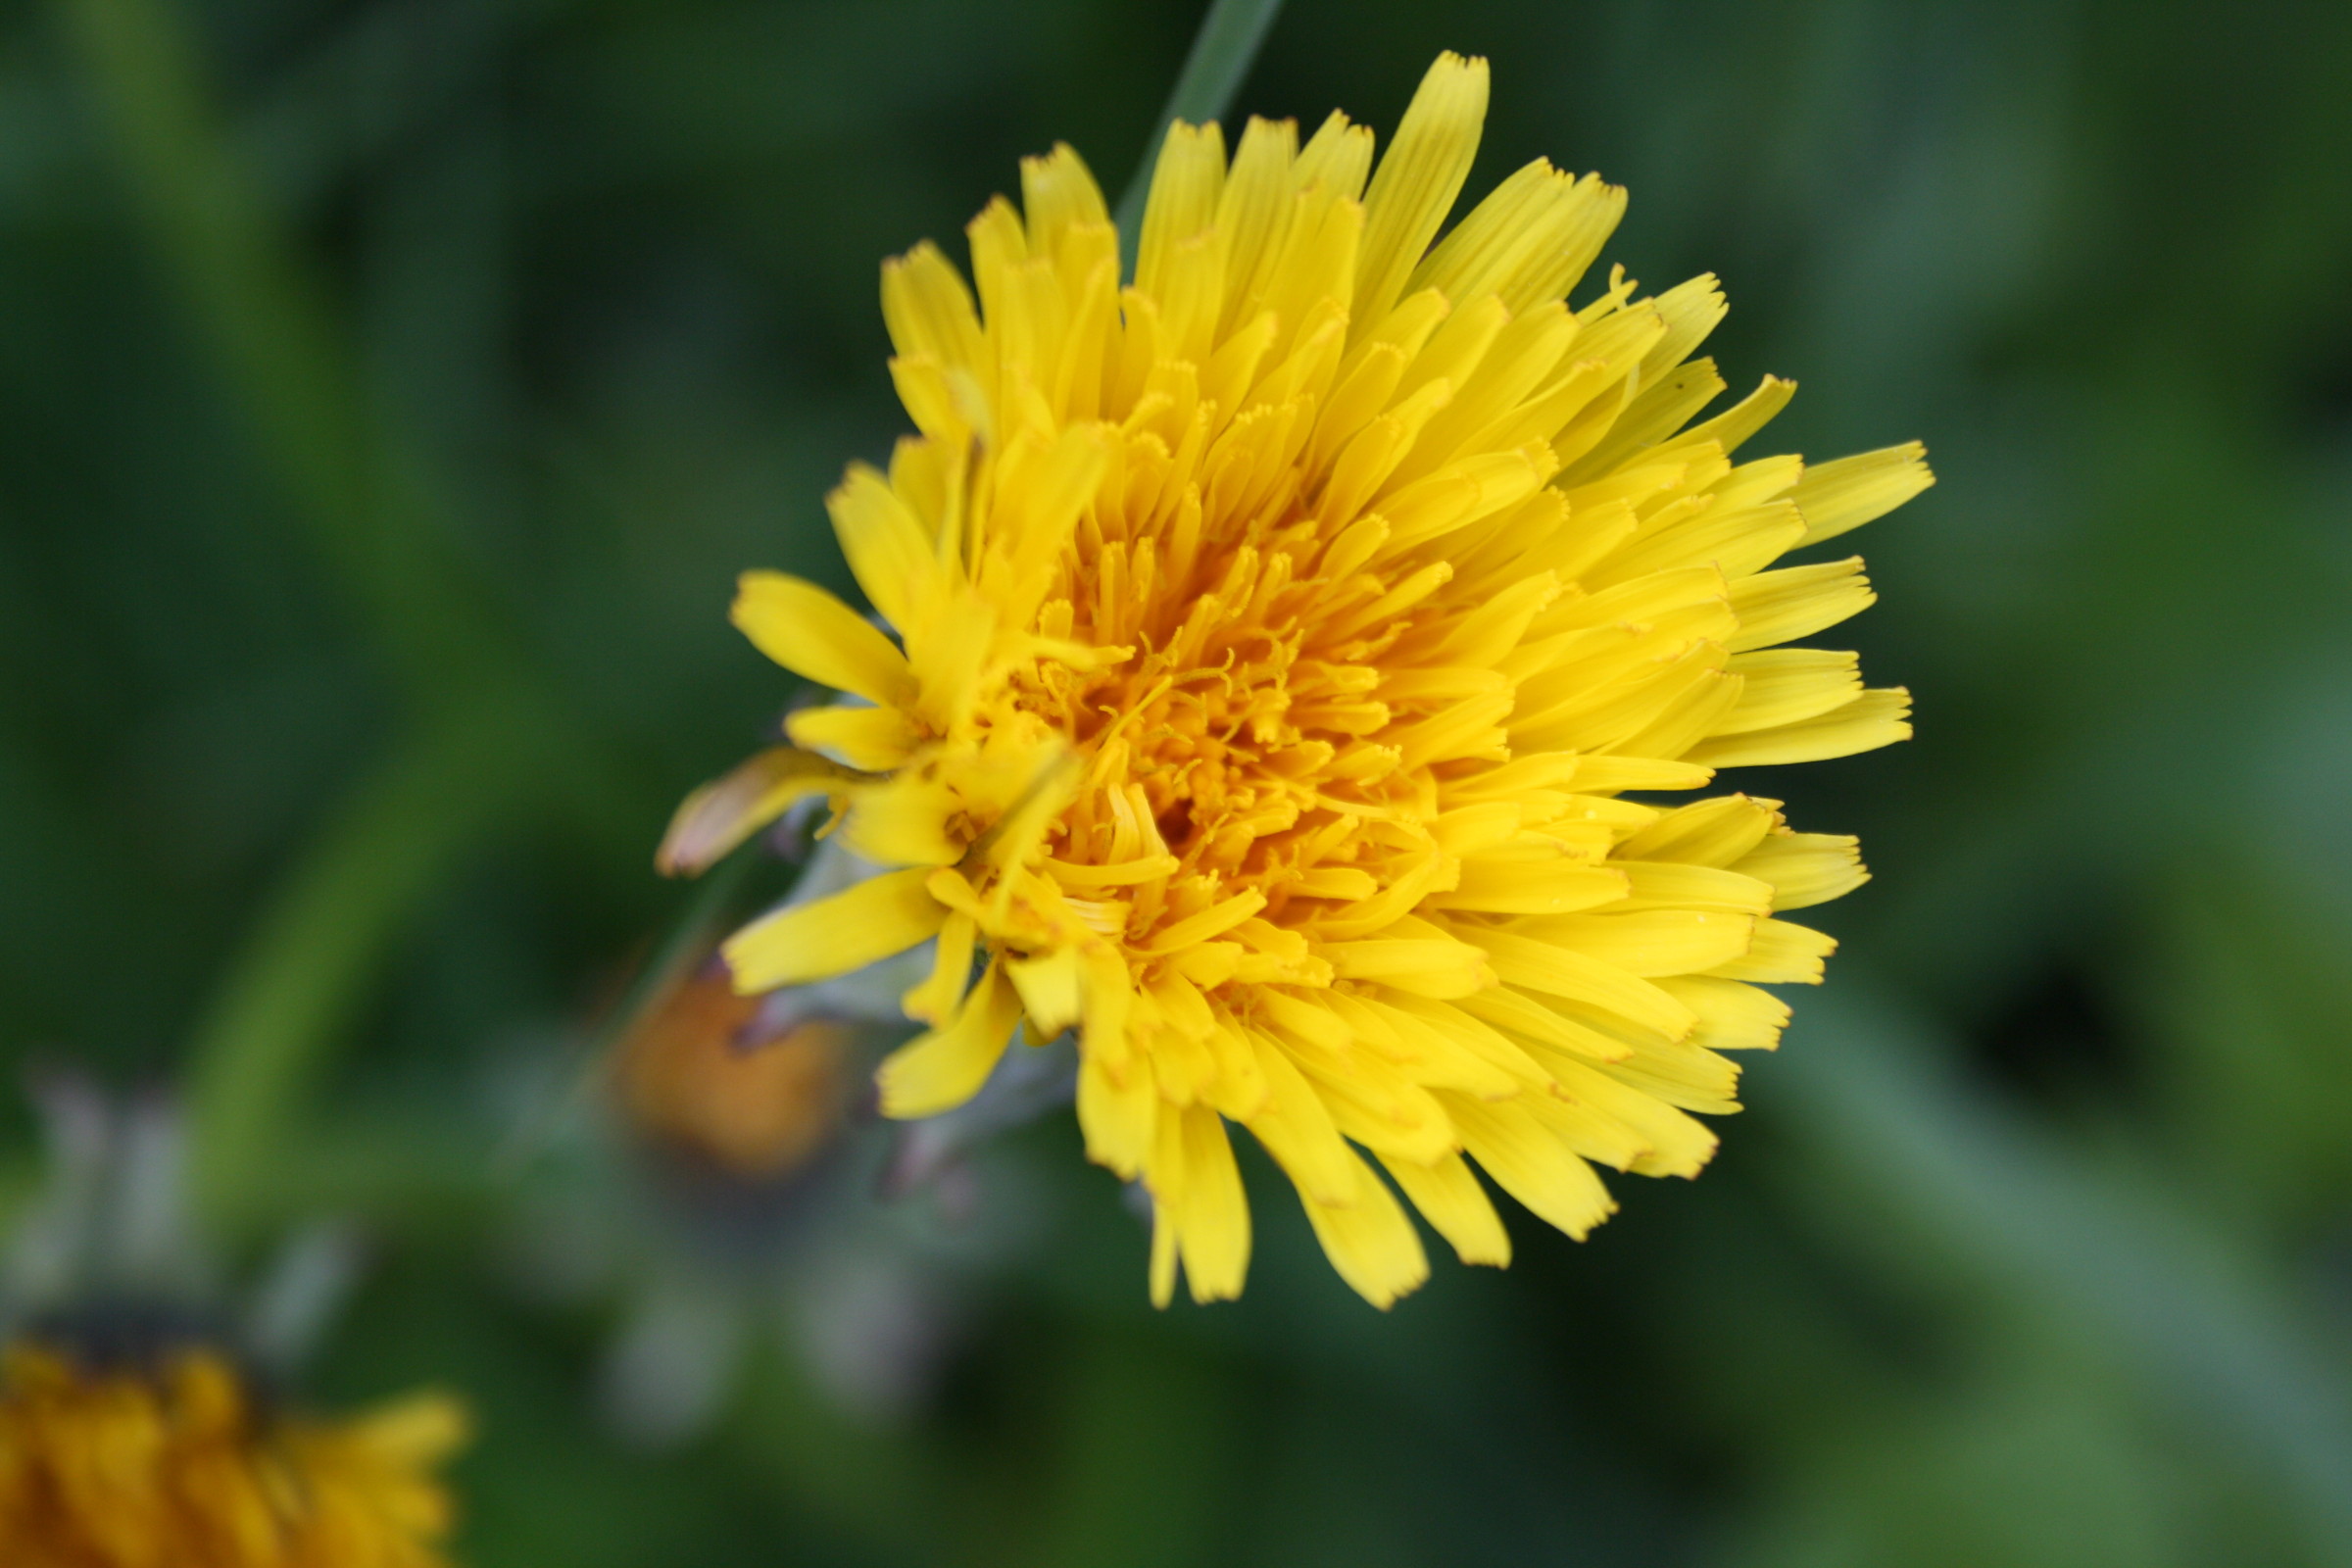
1241	728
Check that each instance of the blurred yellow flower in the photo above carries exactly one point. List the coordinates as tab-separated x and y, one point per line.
1276	638
690	1081
181	1467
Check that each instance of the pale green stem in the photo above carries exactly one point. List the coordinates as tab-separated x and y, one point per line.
325	934
1222	53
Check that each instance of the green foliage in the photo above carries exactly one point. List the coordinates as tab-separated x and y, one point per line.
390	389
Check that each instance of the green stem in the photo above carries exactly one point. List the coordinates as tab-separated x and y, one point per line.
326	933
1223	51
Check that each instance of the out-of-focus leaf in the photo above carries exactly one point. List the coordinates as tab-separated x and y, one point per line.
1936	1182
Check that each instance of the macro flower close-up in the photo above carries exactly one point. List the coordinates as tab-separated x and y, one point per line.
1291	648
987	783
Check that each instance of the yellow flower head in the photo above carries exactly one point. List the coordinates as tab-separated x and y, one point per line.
176	1466
1272	644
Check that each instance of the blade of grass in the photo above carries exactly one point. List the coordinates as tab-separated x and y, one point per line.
324	935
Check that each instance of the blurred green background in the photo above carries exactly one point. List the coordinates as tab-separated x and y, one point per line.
390	390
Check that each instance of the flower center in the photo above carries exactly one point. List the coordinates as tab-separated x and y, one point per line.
1242	728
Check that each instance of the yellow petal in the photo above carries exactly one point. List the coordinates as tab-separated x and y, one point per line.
1417	180
1450	1048
1240	1089
1253	206
1716	832
1781	953
1529	1019
1843	495
929	311
1790	685
811	633
1667	885
1675	1074
1368	1238
1186	183
936	995
1335	159
1731	1014
1107	994
1528	242
1734	424
1557	886
904	821
1048	986
1651	942
1118	1111
1601	774
1774	606
1190	286
1440	969
942	1069
1215	920
1297	1130
1871	720
1691	309
1807	868
1374	1103
1557	971
1450	1197
1737	541
1162	1274
1532	1164
415	1432
1640	1103
873	919
1216	1233
874	739
1058	194
888	551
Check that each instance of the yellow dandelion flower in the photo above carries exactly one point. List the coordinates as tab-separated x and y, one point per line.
1273	644
134	1468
